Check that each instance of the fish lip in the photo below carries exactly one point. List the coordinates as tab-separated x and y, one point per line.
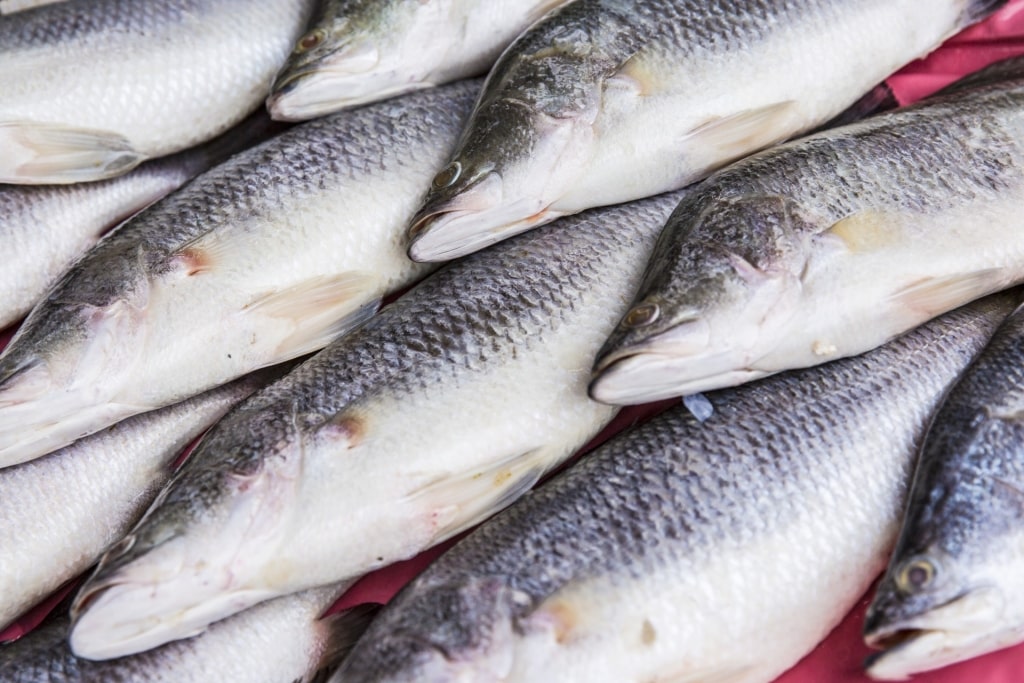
612	380
323	86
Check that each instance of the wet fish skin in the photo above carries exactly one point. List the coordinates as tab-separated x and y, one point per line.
605	101
827	246
50	226
279	642
670	551
58	514
493	349
91	89
264	258
360	51
953	588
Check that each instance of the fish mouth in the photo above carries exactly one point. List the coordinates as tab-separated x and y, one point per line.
964	627
678	362
472	220
348	77
116	619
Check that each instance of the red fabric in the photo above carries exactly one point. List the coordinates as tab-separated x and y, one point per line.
838	659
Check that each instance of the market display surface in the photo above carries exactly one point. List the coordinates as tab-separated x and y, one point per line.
718	538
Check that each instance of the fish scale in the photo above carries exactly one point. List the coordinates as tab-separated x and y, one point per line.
268	256
91	89
962	526
899	217
430	416
771	517
604	101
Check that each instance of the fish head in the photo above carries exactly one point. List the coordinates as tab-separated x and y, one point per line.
206	549
61	371
717	294
931	610
511	166
441	633
358	51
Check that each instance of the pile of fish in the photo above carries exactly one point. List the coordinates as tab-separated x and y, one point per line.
643	199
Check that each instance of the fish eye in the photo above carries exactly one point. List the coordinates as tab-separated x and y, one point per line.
642	315
915	575
448	176
311	40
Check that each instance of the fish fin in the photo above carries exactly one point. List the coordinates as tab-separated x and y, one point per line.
867	231
739	134
636	76
321	310
458	502
46	153
342	631
12	6
935	295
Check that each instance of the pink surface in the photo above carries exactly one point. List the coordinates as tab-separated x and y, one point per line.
838	659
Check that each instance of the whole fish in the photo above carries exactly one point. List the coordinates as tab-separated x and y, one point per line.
49	227
605	101
269	256
955	584
90	89
279	642
58	514
688	551
828	246
359	51
432	416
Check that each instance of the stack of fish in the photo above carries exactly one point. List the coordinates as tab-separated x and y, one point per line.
668	553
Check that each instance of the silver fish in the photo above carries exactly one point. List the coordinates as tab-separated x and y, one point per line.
49	227
90	89
688	551
281	641
605	101
441	410
58	514
266	257
828	246
954	588
359	51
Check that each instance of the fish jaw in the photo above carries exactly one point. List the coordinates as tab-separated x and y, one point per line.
494	189
362	55
969	625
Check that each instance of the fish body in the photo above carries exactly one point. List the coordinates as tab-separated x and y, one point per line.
359	51
91	89
282	641
269	256
48	227
442	409
58	514
953	589
828	246
605	101
681	550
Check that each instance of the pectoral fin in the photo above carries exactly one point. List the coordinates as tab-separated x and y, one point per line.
935	295
747	131
40	153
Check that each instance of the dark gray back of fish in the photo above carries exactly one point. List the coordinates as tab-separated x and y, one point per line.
302	161
484	309
967	487
650	495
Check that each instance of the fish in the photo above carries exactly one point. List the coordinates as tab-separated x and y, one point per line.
673	551
952	590
267	257
92	89
281	641
361	51
604	101
59	513
49	227
828	246
441	410
12	6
